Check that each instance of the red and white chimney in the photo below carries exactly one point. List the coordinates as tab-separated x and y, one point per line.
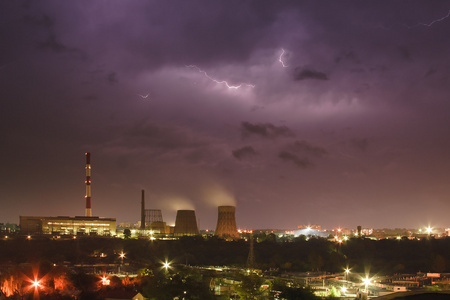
88	185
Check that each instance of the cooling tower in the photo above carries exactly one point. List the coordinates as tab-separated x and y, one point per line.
185	223
226	223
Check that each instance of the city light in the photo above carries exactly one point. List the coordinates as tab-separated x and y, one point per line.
105	280
36	284
347	271
366	282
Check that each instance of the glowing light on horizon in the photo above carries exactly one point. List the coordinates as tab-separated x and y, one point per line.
220	81
280	59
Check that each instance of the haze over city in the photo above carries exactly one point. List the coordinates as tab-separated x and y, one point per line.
296	112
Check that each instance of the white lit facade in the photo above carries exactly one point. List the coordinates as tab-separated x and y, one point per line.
68	225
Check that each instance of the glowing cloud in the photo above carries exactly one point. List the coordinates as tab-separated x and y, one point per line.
178	203
217	195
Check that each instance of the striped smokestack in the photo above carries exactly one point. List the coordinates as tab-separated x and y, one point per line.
143	211
88	185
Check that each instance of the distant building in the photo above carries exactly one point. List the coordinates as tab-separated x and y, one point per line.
367	231
68	225
311	226
8	228
310	232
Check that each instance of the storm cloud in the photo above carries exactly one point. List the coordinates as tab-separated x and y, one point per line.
302	163
302	74
244	152
347	103
265	130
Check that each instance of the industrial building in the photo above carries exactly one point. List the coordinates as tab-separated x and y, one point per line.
68	225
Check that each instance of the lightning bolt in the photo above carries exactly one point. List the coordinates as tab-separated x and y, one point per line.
143	96
431	23
280	59
235	87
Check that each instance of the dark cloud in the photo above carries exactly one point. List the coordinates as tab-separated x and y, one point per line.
90	97
347	56
405	53
360	144
52	42
244	152
306	148
266	130
302	163
44	21
112	78
302	74
430	72
163	140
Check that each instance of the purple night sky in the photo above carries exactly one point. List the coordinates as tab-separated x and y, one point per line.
338	112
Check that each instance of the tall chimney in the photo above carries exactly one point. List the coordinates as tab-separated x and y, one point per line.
88	185
142	211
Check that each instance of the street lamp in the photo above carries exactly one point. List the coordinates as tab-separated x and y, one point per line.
105	280
346	274
366	282
122	256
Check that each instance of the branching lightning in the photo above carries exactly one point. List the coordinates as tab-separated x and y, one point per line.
280	59
220	81
143	96
431	23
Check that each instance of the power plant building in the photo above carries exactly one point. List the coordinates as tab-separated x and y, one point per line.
68	225
79	225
